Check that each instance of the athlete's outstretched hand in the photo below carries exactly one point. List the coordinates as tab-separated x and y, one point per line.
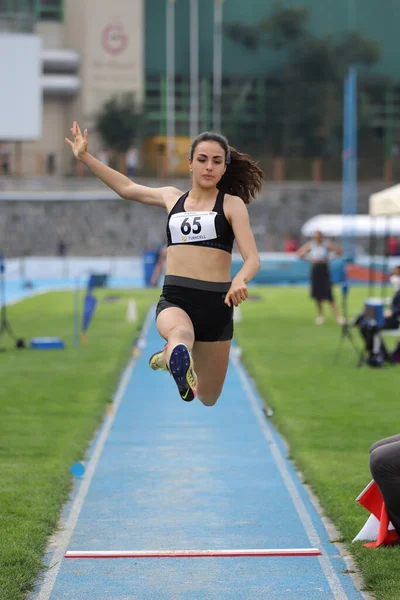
237	293
80	143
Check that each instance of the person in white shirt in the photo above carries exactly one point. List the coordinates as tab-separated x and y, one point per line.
132	159
319	252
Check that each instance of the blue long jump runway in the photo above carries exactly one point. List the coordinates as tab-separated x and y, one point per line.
165	475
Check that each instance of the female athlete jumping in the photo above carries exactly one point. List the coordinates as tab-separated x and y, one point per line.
195	311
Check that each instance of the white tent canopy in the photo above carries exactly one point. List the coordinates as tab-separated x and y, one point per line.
354	226
386	202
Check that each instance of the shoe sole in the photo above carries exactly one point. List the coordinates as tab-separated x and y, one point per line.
181	369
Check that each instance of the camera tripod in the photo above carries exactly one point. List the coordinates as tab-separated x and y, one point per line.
346	332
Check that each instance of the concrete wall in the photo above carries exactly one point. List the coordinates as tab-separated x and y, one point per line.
101	225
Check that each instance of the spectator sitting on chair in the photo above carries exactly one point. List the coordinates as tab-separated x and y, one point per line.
392	317
370	332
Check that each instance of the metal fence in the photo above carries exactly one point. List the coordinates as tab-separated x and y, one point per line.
297	125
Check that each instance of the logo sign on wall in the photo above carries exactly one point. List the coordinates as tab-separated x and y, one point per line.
114	39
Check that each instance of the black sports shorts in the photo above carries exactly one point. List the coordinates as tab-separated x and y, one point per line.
203	302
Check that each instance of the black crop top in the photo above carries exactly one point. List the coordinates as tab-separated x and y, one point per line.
200	228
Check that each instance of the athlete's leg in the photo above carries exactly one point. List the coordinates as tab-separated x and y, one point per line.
175	326
211	363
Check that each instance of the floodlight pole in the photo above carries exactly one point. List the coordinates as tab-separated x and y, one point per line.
349	160
194	68
217	65
170	68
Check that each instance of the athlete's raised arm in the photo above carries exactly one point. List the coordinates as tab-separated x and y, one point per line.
115	180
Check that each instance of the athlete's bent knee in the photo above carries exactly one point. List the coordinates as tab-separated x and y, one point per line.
208	399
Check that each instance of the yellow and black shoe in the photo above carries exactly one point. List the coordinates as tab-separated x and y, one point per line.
181	369
157	361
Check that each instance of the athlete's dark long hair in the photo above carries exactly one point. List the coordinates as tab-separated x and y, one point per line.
243	177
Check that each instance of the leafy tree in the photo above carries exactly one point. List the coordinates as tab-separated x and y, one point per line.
284	26
304	110
118	122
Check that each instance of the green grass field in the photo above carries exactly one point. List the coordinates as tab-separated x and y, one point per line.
52	403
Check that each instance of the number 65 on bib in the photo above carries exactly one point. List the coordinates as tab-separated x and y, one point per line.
192	227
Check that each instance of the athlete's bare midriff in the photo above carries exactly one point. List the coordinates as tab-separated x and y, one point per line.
207	264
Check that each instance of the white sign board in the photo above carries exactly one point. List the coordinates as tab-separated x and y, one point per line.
20	87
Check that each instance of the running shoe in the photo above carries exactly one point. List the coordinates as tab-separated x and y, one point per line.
181	369
157	360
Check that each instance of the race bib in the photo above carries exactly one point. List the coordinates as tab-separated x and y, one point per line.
192	227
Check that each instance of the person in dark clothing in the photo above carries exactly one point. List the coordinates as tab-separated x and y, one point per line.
319	253
61	248
370	331
384	462
158	267
392	320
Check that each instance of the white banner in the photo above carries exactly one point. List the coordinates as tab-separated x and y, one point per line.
21	88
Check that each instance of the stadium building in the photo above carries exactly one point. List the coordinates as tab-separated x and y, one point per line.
92	50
